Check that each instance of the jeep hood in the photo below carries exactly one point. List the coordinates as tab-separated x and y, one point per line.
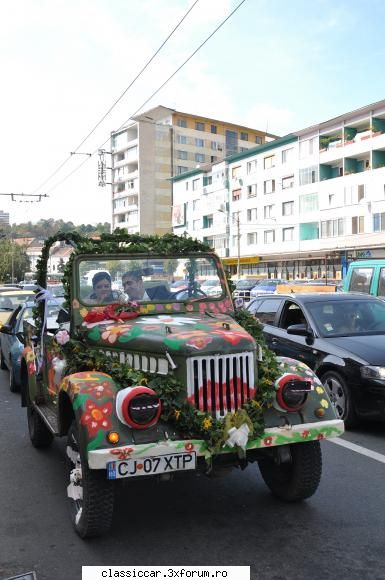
185	334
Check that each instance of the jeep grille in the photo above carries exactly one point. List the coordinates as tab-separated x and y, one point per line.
141	362
220	383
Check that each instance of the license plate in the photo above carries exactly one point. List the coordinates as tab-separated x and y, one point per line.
151	465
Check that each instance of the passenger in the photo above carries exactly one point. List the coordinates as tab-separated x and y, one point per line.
133	286
102	292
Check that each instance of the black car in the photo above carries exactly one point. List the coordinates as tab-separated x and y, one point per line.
340	336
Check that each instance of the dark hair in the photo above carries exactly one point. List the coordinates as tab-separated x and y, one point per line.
100	276
135	274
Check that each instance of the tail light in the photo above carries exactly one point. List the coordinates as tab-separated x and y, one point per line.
138	407
292	392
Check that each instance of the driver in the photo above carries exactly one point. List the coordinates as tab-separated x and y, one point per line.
133	286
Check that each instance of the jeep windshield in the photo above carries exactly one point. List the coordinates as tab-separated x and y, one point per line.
152	279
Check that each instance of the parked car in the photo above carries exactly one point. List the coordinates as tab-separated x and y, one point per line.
12	338
266	287
366	276
340	336
11	299
243	288
211	287
178	285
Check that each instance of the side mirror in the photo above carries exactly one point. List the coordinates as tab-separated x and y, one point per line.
6	329
300	329
63	316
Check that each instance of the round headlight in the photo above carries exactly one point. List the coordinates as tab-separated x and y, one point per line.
292	392
138	407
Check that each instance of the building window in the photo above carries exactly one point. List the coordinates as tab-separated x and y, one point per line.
199	143
308	202
186	185
195	184
252	190
207	180
213	129
182	123
287	234
208	221
199	126
258	140
269	186
288	182
120	187
195	204
181	154
358	224
181	169
181	139
332	228
199	157
360	192
244	136
251	166
288	208
308	147
269	162
236	194
332	199
308	175
379	222
287	155
196	225
268	211
269	236
120	157
252	214
213	158
236	172
252	238
235	217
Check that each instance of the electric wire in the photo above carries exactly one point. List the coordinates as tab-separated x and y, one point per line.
153	94
147	64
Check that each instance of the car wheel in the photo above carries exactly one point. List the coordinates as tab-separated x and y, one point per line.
13	386
341	397
90	493
3	366
295	479
41	437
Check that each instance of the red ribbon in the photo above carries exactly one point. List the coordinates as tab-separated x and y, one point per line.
111	312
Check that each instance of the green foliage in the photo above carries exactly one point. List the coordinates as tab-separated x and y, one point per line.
50	227
13	258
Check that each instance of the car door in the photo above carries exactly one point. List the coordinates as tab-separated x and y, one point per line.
291	345
7	340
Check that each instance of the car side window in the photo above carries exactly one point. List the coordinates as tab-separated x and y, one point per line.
381	283
361	280
292	314
267	310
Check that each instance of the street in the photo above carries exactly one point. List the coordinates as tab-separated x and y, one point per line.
338	533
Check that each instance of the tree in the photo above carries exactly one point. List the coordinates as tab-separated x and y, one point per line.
13	260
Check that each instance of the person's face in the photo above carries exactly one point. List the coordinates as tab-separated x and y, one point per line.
102	289
133	287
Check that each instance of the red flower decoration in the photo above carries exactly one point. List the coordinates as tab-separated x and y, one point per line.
99	390
96	418
320	436
268	441
305	433
122	453
189	446
113	312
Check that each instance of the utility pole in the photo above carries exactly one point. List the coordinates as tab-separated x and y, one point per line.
238	247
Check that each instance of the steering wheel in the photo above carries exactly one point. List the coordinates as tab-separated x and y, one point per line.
194	293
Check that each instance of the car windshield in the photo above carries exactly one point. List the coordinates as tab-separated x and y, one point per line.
348	317
12	301
143	280
245	284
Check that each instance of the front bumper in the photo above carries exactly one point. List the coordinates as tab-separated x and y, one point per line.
272	437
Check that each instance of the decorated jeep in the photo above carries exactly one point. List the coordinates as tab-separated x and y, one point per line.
148	376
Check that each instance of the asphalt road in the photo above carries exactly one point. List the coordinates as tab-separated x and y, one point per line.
339	533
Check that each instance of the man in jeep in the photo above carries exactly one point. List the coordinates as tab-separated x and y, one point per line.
133	286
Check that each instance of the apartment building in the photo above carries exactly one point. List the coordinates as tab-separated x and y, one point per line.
157	145
303	205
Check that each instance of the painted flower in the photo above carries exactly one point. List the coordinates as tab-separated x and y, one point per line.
166	319
31	368
189	446
29	356
320	390
233	336
324	404
305	434
99	390
75	304
111	333
122	454
268	441
177	413
96	417
62	337
206	423
320	436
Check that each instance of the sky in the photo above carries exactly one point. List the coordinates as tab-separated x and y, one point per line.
275	65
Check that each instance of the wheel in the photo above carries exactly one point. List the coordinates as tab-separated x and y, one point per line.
13	386
341	397
298	478
41	437
3	366
90	493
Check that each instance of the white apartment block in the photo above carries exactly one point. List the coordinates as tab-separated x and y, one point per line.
300	206
157	145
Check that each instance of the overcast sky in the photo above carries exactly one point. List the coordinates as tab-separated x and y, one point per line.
275	65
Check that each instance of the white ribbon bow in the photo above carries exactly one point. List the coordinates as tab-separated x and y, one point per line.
238	436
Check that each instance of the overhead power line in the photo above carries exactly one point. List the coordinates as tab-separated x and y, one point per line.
118	99
153	94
